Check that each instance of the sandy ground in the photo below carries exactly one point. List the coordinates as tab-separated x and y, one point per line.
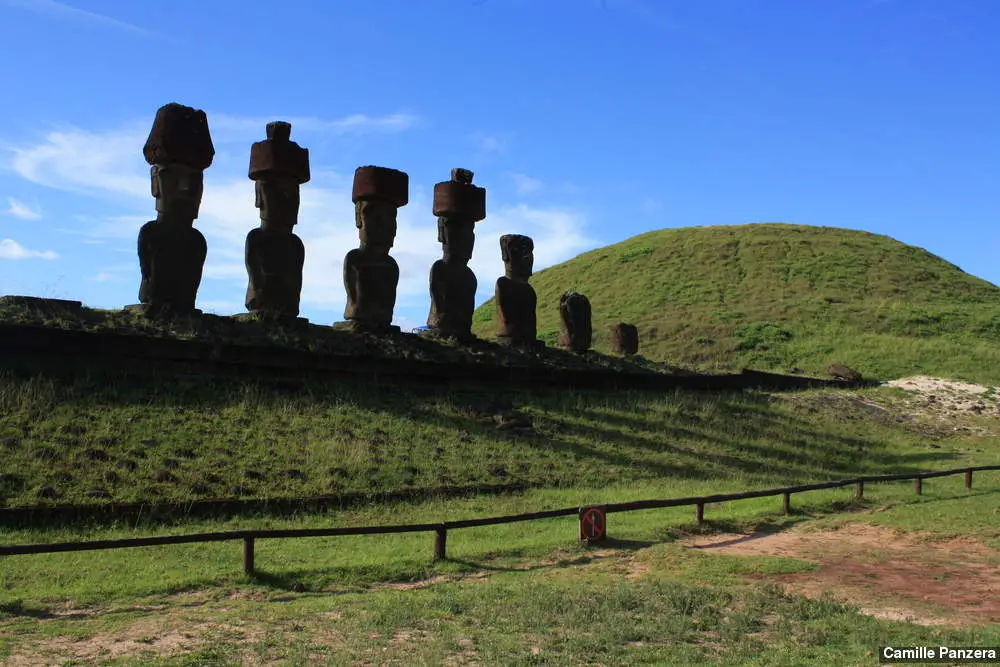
888	574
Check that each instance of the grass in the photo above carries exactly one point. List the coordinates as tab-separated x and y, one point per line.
107	438
515	594
777	297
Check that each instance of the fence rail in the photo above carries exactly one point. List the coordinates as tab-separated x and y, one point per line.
441	529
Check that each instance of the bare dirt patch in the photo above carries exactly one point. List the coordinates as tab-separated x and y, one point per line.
888	574
154	636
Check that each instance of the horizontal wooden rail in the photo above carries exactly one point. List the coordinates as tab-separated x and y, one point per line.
441	529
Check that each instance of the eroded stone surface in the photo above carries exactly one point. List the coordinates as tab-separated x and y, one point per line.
274	254
171	251
459	205
575	315
370	274
516	300
625	339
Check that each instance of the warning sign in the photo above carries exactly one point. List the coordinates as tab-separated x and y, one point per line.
593	524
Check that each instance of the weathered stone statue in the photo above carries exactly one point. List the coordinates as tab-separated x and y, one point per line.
625	339
370	274
459	205
574	312
274	254
171	251
515	298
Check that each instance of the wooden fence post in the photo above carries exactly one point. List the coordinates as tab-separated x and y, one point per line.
919	486
440	544
699	512
968	479
859	490
786	504
248	555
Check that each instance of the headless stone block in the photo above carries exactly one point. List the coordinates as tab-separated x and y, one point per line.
574	313
625	339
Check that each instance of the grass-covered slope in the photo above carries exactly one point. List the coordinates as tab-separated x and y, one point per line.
778	296
108	438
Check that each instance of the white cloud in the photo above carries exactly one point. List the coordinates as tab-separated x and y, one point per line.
651	205
65	12
21	210
86	162
355	124
525	184
11	249
489	143
110	165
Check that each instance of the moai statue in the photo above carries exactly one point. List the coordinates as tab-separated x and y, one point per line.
171	251
515	298
459	205
274	254
625	339
370	274
574	312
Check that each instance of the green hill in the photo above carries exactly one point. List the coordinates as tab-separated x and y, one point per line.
779	296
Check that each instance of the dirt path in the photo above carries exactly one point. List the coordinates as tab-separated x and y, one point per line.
889	574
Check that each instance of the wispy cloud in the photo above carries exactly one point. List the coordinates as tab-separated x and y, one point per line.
64	12
11	249
21	210
355	124
651	205
525	184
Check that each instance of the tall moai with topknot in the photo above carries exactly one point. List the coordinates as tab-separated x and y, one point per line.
171	251
274	254
458	205
370	274
515	297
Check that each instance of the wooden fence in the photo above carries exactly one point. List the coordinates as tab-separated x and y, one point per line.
441	529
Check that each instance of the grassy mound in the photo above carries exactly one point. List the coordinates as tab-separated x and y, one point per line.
778	297
108	438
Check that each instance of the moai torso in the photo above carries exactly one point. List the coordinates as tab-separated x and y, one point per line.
274	263
370	279
516	302
171	260
453	298
574	311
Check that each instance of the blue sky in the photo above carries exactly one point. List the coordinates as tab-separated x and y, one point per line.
588	121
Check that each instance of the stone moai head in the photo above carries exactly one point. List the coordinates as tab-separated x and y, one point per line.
459	205
179	148
378	193
517	252
278	166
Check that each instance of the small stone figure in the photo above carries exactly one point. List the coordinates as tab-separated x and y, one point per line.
625	339
459	205
370	274
515	298
171	251
574	312
274	254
